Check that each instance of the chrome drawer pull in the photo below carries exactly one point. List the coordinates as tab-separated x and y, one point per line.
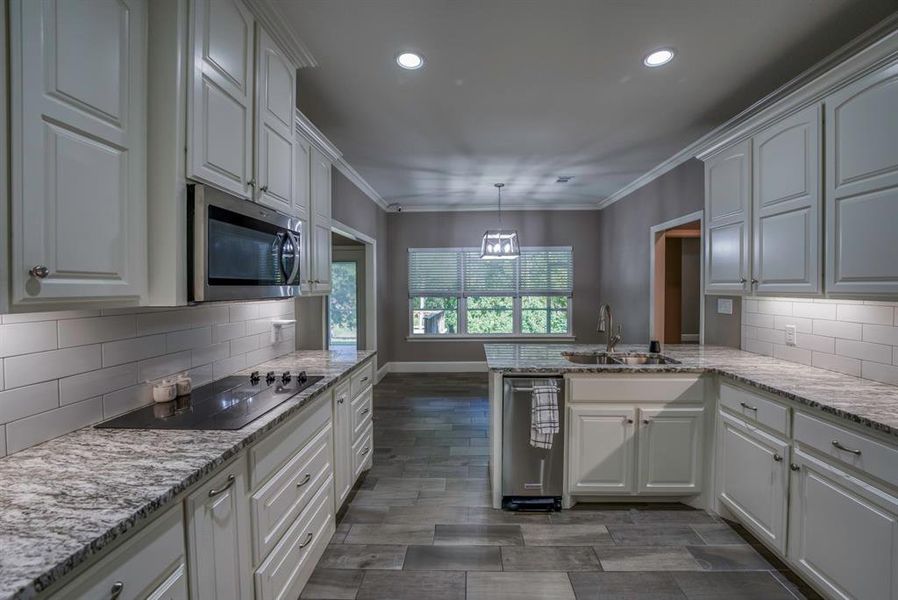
227	486
117	588
366	411
309	537
844	449
749	406
365	451
777	457
305	480
341	400
363	379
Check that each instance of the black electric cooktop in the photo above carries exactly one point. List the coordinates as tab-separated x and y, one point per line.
229	403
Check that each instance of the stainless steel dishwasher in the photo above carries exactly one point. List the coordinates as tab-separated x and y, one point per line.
532	478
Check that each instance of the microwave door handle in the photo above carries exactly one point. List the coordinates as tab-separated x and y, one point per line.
281	259
291	280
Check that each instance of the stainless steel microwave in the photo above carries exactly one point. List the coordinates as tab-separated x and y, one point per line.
239	250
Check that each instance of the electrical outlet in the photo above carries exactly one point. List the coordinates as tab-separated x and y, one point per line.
790	335
725	306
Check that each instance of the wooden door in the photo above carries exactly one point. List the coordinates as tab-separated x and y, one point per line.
727	220
786	205
79	77
670	450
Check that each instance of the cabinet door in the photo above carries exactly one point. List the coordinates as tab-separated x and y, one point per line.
843	533
727	220
275	109
220	95
861	187
79	74
601	452
670	442
321	222
302	173
342	445
218	537
752	475
786	205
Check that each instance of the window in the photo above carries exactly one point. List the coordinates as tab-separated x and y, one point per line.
453	292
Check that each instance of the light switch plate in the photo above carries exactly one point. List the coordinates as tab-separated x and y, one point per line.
790	335
725	306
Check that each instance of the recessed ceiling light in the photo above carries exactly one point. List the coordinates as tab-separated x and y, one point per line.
410	61
659	57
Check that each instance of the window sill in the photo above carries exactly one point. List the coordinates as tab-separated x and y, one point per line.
490	338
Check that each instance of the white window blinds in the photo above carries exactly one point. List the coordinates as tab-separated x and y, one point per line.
461	272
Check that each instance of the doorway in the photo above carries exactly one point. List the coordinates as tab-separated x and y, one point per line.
677	301
346	308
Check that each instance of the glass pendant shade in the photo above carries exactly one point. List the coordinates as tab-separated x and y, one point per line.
500	243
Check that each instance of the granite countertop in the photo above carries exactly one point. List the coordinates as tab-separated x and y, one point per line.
66	499
861	401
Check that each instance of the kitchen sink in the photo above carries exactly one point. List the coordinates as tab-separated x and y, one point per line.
601	358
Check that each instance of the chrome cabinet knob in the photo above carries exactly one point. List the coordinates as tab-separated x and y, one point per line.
794	467
743	281
264	188
251	182
777	457
39	271
754	281
629	421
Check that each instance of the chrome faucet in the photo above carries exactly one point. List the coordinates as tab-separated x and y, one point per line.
606	326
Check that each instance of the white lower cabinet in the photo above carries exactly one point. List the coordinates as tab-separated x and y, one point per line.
149	565
843	532
752	476
342	443
218	533
670	449
600	449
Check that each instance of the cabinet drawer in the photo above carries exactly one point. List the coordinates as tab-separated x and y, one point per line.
140	567
276	449
341	391
290	564
861	452
361	414
360	454
361	378
173	588
755	408
287	493
635	388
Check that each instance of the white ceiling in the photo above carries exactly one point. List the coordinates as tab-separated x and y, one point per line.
522	91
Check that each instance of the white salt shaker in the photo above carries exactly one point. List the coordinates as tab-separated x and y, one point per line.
185	385
165	391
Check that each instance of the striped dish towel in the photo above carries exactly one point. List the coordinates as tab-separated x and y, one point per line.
543	416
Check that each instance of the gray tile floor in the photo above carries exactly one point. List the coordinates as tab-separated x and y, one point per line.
419	526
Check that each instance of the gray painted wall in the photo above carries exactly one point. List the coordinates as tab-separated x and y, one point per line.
690	276
458	229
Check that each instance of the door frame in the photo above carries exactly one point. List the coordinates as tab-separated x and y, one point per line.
355	255
370	263
654	233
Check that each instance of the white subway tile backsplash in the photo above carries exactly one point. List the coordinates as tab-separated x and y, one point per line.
125	351
865	313
881	334
79	332
44	366
838	329
47	425
24	338
864	351
96	383
29	400
855	337
63	370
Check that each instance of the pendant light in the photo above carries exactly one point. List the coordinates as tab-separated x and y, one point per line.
500	243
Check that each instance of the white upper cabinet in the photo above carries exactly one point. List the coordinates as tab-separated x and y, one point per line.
275	109
220	95
302	152
786	207
727	220
78	208
320	236
862	186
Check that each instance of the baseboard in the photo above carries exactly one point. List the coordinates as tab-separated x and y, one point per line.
432	367
687	338
381	373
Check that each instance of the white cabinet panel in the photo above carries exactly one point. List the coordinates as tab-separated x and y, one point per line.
752	475
320	238
218	536
220	95
670	450
302	149
727	210
79	75
275	106
601	449
843	533
342	444
321	257
862	186
786	205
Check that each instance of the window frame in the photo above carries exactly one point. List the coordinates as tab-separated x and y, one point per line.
462	298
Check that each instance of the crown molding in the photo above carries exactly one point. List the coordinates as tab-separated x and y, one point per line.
275	23
506	207
868	52
360	182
